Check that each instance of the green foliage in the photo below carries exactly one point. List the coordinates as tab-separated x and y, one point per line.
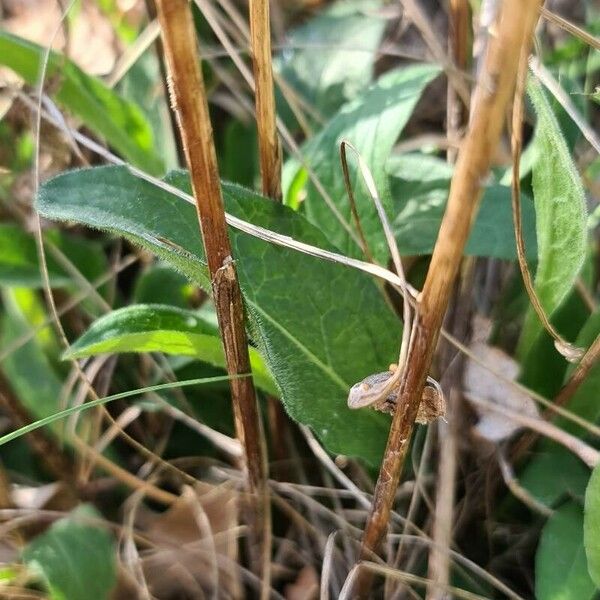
75	557
591	526
560	564
419	186
19	264
120	122
553	473
319	331
330	59
560	217
160	284
157	328
27	367
372	123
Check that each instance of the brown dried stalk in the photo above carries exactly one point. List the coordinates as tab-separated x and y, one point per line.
268	141
494	91
189	100
458	318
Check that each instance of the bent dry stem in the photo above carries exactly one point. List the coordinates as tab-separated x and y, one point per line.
513	31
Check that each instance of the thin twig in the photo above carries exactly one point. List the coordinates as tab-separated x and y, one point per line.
583	35
518	491
494	91
589	455
562	97
563	346
189	99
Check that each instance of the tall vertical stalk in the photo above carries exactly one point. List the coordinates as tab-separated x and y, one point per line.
268	141
513	29
438	563
190	103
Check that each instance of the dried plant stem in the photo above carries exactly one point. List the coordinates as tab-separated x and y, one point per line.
269	148
268	141
589	455
583	35
457	111
443	518
564	347
452	366
491	100
189	100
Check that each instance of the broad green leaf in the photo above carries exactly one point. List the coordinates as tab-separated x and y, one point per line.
372	123
591	526
560	217
560	564
553	473
330	59
159	328
419	186
120	122
19	265
319	326
75	557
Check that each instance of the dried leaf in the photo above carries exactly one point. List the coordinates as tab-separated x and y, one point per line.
480	382
306	586
190	538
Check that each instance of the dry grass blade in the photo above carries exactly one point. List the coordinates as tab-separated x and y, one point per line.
515	26
583	35
589	455
563	99
189	99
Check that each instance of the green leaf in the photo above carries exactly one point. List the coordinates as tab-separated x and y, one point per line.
19	265
320	327
419	186
156	328
162	285
591	526
120	122
27	368
75	558
552	473
560	217
324	71
560	564
372	123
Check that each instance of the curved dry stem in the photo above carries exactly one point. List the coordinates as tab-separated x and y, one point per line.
568	350
394	252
